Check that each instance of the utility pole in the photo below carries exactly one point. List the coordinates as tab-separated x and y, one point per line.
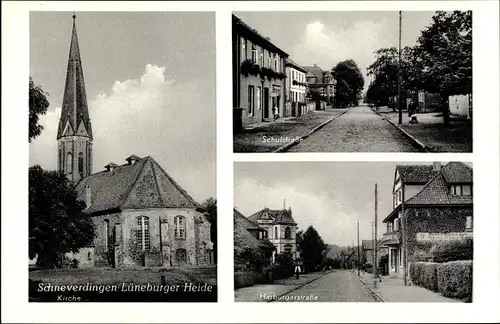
359	263
400	99
375	240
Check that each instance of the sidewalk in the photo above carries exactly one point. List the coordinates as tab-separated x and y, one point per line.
394	290
269	136
432	133
265	292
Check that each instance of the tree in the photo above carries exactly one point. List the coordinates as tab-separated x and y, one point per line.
57	224
312	248
444	51
211	206
350	83
38	105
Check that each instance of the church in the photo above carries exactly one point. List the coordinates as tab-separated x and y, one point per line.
142	217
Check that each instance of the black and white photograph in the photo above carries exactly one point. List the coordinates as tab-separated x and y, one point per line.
352	81
353	232
122	203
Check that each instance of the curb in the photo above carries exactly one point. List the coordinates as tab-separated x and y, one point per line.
287	146
415	141
297	287
375	295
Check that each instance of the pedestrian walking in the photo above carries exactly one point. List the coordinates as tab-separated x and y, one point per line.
297	270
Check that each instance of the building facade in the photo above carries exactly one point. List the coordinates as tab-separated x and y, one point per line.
296	89
142	217
431	204
259	85
280	229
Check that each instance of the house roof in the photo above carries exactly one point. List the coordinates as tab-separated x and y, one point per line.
242	28
316	72
292	63
143	184
436	192
416	174
243	239
279	216
457	172
367	244
74	111
245	222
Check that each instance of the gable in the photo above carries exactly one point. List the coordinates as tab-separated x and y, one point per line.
81	130
68	129
144	192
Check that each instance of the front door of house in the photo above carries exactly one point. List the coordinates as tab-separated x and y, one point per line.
265	115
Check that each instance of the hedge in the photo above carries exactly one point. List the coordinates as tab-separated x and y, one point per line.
455	279
451	279
453	250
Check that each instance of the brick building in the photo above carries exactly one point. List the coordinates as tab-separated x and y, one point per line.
258	76
431	204
142	217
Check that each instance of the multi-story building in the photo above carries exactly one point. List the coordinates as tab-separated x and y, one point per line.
280	227
258	76
430	204
296	88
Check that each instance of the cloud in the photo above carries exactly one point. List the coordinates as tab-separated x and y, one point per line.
327	47
325	214
172	122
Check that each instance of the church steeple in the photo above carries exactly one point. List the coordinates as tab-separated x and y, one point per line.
74	134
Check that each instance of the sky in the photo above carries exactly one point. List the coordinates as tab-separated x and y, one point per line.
330	196
150	84
326	38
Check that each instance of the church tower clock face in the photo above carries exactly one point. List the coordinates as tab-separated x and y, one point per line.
74	135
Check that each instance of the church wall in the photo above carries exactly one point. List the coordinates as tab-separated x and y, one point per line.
160	220
74	145
104	249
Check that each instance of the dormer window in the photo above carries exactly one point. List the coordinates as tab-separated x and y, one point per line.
461	189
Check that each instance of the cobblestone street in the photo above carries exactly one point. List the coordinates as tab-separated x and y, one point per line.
358	130
337	286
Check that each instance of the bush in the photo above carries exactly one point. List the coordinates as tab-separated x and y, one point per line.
424	274
453	250
285	266
455	279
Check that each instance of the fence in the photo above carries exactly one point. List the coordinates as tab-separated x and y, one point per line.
247	278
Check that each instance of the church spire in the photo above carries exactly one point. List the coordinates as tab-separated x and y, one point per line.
74	135
75	119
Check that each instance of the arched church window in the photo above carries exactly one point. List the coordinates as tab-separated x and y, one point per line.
80	163
288	233
180	227
143	233
69	163
276	233
60	160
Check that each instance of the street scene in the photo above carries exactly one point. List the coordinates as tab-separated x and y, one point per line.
107	220
353	232
352	81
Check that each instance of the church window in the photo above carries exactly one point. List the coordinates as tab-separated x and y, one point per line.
288	233
143	233
80	163
180	227
105	233
276	232
69	163
180	256
89	256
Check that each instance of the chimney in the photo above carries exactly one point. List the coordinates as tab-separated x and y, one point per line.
436	166
132	159
88	196
110	166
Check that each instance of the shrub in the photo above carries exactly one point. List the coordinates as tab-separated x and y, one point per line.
424	274
285	265
453	250
455	279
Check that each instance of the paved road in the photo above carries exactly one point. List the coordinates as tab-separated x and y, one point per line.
337	286
358	130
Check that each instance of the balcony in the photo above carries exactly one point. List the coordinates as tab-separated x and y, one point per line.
391	238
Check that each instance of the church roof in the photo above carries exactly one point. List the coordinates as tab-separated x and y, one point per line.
74	112
143	184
